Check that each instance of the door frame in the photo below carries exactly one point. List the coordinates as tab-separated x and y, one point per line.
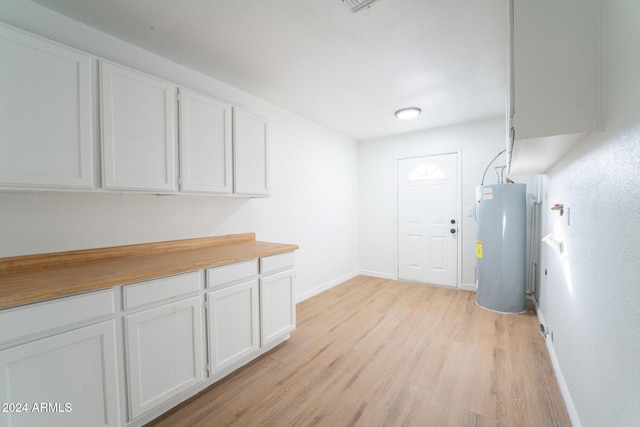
396	240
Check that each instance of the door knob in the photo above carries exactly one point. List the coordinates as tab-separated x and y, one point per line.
453	221
453	231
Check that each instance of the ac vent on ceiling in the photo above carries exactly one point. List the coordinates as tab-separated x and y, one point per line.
356	5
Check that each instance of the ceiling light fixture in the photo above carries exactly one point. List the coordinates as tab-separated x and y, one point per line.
408	113
356	5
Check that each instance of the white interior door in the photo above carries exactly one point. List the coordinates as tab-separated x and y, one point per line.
427	219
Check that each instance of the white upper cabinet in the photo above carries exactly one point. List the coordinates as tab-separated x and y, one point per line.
46	136
554	79
205	144
250	154
138	130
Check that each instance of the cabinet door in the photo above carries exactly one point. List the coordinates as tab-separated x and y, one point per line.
250	154
277	306
205	144
164	353
66	380
138	132
46	137
556	63
233	324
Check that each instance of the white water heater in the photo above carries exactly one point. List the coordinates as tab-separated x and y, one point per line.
501	247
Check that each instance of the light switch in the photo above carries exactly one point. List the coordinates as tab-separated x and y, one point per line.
471	212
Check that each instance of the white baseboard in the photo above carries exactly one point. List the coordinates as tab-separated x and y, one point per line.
326	286
468	287
564	389
377	274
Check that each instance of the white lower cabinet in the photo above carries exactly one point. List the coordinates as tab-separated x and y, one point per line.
164	352
233	324
63	361
277	306
68	379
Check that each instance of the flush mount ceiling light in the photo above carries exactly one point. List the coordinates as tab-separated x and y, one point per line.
408	113
356	5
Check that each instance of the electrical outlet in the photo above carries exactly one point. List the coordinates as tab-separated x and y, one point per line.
546	332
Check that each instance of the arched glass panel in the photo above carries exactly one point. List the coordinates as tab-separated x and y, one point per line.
426	172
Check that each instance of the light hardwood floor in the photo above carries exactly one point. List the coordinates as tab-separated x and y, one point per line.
375	352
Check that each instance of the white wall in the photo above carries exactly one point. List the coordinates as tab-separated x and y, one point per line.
591	296
479	142
313	179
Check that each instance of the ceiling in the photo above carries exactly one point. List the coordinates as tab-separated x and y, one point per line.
346	71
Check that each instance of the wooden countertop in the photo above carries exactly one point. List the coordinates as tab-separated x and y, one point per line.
32	278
